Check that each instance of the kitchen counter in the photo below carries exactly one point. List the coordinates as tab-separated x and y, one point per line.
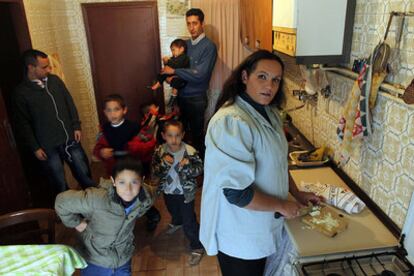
365	231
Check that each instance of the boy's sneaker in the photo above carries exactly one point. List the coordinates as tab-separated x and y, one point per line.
196	256
172	228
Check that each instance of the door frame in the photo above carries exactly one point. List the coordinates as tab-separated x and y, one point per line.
157	58
22	34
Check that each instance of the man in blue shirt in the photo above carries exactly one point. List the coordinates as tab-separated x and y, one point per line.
192	99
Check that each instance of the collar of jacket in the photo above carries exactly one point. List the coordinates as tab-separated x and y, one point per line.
251	110
32	85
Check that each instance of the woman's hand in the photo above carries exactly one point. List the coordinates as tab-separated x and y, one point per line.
290	209
82	226
306	197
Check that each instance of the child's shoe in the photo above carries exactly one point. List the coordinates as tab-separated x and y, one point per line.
172	229
196	256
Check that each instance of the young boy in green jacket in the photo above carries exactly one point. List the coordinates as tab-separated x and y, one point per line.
105	218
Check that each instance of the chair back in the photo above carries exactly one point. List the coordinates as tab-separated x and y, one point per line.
28	226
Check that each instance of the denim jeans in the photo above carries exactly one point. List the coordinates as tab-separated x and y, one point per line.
95	270
192	115
77	160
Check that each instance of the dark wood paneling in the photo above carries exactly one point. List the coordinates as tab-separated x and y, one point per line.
16	180
13	191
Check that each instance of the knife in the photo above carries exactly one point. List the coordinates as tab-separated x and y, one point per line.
302	211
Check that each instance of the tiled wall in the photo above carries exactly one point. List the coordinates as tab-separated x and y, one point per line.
56	26
383	164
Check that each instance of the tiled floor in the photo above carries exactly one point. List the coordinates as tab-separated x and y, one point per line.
157	253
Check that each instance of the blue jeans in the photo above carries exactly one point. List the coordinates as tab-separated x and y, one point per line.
77	160
95	270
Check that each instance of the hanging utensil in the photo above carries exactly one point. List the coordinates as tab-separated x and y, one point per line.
408	96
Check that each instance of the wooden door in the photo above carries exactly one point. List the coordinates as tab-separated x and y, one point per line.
13	190
124	49
14	37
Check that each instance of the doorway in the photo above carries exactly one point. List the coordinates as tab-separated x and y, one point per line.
124	48
14	37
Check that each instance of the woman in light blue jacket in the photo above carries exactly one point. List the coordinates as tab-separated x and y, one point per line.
246	176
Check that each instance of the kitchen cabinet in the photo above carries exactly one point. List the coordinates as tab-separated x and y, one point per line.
314	32
256	24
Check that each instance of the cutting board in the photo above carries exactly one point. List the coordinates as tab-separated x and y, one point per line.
329	222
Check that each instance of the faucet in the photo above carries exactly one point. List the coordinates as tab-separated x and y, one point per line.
305	97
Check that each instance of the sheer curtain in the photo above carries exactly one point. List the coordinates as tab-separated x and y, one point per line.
222	27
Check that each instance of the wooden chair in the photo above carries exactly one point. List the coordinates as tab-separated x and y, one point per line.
28	226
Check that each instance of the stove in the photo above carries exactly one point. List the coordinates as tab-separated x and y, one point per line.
384	264
367	247
395	262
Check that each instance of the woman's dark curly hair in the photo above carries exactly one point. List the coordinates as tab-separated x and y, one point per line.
234	84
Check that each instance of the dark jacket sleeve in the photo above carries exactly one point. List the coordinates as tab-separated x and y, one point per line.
72	206
182	61
240	198
22	121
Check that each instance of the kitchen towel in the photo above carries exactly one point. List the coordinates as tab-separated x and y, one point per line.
339	197
355	122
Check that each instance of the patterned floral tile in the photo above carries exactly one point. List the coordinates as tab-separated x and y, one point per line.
407	160
366	183
398	213
383	198
410	129
379	112
392	147
403	189
370	163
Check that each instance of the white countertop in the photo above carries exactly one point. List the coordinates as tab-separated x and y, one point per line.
365	231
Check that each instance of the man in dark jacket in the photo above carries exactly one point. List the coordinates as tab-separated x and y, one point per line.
47	122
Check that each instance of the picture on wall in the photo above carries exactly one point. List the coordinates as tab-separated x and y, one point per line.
177	8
